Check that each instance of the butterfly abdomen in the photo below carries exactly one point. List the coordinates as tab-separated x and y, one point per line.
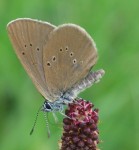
89	80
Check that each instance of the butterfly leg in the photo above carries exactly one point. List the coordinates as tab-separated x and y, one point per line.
55	117
64	115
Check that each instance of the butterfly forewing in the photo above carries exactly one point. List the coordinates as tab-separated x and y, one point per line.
68	56
28	37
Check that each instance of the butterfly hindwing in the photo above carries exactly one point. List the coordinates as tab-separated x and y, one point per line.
68	57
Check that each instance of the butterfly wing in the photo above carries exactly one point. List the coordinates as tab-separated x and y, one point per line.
68	57
28	37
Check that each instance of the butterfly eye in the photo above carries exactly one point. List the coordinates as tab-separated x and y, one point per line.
25	45
47	105
30	44
38	49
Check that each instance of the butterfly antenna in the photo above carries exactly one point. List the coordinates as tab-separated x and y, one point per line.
32	130
47	125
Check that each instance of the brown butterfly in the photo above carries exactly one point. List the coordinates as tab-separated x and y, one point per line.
57	59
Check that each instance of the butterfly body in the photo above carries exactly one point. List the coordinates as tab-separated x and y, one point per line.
69	96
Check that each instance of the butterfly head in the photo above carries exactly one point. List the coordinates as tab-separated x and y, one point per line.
47	106
52	106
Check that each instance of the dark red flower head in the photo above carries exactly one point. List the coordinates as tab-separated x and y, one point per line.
80	132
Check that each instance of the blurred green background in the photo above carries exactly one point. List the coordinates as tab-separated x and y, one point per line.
114	25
